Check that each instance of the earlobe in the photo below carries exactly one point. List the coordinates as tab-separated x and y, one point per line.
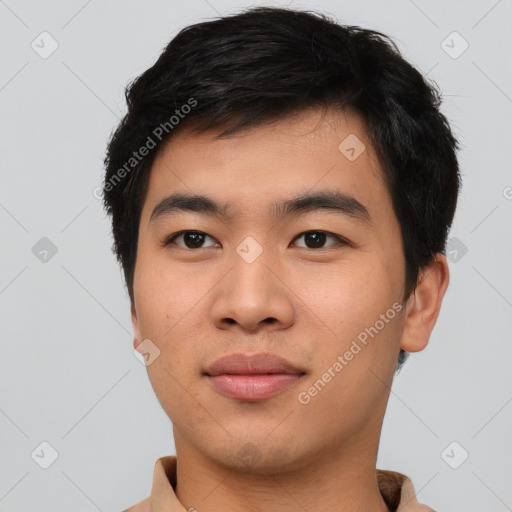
424	304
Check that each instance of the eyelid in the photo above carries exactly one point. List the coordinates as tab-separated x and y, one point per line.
338	238
170	238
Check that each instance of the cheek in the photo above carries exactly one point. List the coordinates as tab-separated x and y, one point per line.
358	307
168	302
349	296
358	303
165	294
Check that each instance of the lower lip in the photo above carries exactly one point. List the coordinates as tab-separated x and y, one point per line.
253	387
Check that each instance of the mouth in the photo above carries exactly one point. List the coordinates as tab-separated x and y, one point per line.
252	377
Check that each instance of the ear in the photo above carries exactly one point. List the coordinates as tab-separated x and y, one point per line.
136	328
422	308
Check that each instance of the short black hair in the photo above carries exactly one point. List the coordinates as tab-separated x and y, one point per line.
240	71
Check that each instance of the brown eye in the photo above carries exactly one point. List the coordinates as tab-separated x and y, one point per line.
317	239
190	239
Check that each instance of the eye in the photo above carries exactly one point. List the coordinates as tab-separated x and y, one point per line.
316	239
191	239
313	239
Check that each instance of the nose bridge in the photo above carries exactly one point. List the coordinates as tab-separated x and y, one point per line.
251	276
252	294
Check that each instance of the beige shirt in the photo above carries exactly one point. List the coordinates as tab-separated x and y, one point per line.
396	489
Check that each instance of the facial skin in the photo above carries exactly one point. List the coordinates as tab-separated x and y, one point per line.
302	303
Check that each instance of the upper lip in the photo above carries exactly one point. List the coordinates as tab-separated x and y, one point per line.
246	364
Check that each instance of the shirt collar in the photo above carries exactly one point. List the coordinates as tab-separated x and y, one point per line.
396	489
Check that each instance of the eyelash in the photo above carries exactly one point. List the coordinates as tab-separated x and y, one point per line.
339	240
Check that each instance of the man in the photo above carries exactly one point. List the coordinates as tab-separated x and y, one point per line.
281	190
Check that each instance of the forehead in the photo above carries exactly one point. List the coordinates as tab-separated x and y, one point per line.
308	151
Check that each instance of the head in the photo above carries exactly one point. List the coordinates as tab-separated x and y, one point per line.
318	150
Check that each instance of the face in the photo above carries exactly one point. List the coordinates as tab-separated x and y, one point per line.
318	282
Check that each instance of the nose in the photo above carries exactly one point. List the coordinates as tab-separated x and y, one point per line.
252	297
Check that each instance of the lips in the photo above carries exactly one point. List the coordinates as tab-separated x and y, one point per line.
252	377
243	364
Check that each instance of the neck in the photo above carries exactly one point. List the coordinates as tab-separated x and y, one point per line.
343	478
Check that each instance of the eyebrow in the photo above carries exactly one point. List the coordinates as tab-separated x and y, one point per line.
336	201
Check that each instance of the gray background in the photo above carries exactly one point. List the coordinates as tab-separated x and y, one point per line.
68	376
